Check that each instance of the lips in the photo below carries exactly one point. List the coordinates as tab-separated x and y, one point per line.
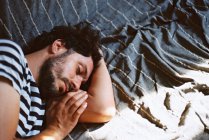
67	86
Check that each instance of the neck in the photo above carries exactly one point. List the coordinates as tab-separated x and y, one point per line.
35	61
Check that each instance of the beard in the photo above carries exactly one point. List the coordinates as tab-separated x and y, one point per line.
50	72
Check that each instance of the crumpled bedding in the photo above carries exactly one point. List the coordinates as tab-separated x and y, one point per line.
157	53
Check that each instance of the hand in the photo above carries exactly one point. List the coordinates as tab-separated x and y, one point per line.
62	113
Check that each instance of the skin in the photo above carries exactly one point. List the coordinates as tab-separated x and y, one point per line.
66	110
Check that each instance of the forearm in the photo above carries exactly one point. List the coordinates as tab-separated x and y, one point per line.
44	135
101	104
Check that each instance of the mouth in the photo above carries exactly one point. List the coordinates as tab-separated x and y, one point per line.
67	86
66	89
63	88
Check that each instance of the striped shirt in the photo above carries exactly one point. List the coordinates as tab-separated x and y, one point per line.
13	66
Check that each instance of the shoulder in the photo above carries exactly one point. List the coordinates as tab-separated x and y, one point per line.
12	62
10	46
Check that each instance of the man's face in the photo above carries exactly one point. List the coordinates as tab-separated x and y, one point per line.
64	73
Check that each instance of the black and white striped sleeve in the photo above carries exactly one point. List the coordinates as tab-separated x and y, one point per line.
12	63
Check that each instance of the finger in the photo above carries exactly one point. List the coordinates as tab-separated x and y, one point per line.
79	111
77	104
50	104
68	96
76	97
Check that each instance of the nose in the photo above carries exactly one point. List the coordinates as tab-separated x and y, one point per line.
76	83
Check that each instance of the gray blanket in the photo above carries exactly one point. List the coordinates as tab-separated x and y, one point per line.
157	53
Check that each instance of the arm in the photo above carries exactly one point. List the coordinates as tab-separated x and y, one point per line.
101	104
9	111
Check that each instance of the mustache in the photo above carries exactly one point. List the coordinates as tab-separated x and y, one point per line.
67	83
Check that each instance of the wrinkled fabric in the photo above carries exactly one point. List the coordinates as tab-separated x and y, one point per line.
156	52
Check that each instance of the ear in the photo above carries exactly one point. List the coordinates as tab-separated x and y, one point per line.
57	47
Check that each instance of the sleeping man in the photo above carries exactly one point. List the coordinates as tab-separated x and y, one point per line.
62	81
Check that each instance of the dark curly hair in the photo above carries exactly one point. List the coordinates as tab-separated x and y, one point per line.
81	38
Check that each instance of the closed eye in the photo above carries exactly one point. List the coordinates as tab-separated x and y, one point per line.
78	70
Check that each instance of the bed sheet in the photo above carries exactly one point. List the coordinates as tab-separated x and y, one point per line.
157	53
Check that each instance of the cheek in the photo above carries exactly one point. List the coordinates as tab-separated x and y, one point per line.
58	71
69	71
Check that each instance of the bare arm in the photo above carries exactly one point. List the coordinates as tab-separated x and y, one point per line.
101	104
9	111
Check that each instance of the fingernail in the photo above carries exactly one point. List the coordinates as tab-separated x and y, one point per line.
86	96
85	105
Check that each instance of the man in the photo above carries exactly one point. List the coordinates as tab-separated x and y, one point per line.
50	78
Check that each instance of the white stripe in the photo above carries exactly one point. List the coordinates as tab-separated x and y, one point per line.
193	6
191	20
193	54
6	29
71	138
24	108
101	15
150	3
28	76
107	20
75	11
29	127
15	51
14	44
31	118
118	11
8	69
133	7
35	89
129	78
140	71
20	131
111	22
109	50
152	63
96	3
171	2
124	93
33	132
10	50
61	12
47	14
134	66
24	121
148	77
205	5
38	111
171	56
25	94
97	28
129	59
87	12
37	100
16	24
197	42
34	119
13	63
31	17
